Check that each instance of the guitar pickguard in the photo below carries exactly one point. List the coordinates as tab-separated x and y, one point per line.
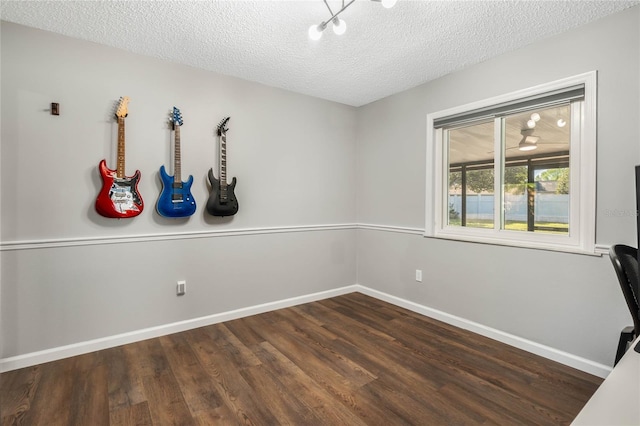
119	197
122	196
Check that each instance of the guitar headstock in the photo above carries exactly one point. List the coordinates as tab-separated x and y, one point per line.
121	110
176	117
221	127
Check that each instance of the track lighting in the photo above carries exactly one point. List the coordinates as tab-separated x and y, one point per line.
339	26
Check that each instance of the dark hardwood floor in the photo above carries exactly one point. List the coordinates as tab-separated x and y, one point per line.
349	360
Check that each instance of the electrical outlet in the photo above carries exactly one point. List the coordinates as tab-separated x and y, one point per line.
181	288
419	275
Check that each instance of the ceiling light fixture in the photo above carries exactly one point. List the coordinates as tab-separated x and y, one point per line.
315	31
339	26
528	142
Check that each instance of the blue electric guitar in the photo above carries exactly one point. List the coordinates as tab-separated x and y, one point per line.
175	199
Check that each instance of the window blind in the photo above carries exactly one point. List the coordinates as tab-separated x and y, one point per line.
542	100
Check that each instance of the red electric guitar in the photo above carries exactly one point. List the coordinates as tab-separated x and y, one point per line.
119	197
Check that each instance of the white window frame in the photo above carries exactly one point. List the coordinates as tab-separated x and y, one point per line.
582	166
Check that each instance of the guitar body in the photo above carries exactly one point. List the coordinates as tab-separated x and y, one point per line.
175	199
119	197
217	205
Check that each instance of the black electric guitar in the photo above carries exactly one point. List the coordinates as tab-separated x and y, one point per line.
222	199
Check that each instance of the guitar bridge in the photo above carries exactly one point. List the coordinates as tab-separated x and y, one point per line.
176	198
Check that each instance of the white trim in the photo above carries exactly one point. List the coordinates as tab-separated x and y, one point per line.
499	126
519	94
388	228
588	161
600	249
548	352
581	238
88	241
478	238
434	175
53	354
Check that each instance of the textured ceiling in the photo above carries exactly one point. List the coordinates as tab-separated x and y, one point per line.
384	51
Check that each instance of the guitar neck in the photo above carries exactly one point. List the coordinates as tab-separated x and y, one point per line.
223	160
120	170
176	156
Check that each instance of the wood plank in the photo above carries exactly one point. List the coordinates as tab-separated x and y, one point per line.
137	414
149	366
166	403
199	392
239	398
310	392
124	386
467	349
285	406
322	339
342	390
17	389
89	402
50	405
350	360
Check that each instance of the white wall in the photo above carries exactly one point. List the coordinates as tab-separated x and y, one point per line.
293	156
568	302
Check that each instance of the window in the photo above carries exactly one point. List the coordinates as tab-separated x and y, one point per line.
517	170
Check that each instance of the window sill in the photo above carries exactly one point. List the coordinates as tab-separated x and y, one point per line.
517	243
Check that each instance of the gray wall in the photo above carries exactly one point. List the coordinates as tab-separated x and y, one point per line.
293	156
566	301
300	162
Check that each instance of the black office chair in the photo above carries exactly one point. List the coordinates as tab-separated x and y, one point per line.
625	263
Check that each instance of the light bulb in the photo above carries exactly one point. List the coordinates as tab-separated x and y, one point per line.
561	122
314	32
535	116
339	26
531	124
388	4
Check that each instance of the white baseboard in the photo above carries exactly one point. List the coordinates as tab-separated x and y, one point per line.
548	352
34	358
53	354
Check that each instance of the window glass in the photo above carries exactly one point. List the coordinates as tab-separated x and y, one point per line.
517	169
471	176
536	170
